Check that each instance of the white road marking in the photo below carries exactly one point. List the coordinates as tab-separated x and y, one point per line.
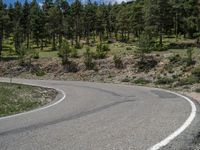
38	109
179	130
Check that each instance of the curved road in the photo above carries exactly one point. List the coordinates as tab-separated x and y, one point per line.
96	116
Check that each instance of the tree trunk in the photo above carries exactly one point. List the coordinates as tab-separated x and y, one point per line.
88	38
37	42
128	36
42	46
27	41
94	36
161	37
176	26
60	41
116	36
1	40
76	32
54	42
100	37
122	35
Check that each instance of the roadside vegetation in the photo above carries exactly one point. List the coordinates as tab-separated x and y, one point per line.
16	98
145	42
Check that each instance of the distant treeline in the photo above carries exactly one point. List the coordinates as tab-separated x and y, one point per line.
57	20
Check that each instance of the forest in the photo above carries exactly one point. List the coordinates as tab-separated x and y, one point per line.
53	22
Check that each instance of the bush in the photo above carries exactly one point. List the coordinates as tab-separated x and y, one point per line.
188	81
164	80
22	51
74	53
70	67
105	48
40	73
197	90
189	57
147	64
110	41
144	45
141	81
196	72
168	68
128	48
64	52
101	52
36	55
159	47
88	59
78	46
118	62
174	58
126	79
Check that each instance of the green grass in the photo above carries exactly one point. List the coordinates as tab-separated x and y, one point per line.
48	54
16	98
122	49
117	48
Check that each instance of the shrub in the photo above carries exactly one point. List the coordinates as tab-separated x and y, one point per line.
128	48
141	81
105	48
118	62
196	72
40	73
74	53
189	57
144	45
22	51
78	46
101	52
70	67
88	59
126	79
147	64
36	55
164	80
64	52
174	58
168	68
188	81
158	47
197	90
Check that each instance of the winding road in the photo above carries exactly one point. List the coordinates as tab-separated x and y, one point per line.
99	116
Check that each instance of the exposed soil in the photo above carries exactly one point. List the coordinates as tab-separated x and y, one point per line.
155	67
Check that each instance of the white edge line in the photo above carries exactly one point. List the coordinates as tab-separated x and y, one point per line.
38	109
179	130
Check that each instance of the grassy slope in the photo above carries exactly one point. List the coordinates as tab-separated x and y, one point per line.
15	98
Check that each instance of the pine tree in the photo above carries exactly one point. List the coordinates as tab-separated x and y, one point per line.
25	22
2	24
53	24
37	24
76	9
18	39
157	17
89	20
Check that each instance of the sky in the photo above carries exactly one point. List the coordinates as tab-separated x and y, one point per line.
40	1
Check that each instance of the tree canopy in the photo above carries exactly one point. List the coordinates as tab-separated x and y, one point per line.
57	20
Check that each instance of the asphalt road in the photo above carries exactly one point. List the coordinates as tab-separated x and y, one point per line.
97	116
